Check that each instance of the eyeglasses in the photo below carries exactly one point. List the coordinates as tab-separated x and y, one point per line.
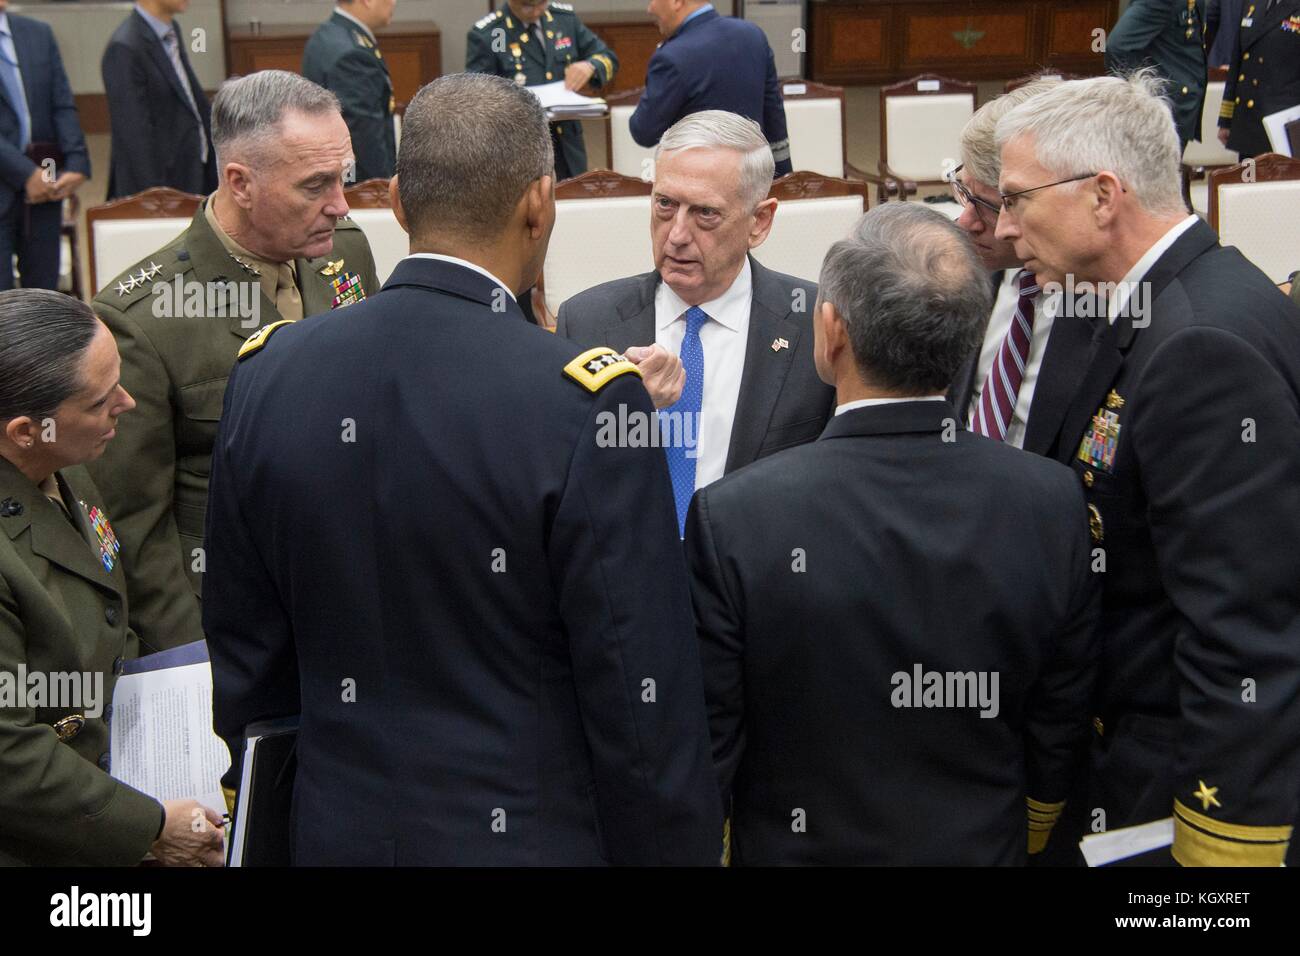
1009	199
966	198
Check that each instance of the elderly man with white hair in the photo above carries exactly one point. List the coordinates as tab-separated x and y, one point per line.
745	384
1185	434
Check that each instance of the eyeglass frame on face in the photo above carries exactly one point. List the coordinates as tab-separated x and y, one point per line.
967	198
1010	207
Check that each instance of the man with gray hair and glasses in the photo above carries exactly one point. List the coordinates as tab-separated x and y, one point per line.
725	343
1017	385
271	244
895	620
499	580
1185	437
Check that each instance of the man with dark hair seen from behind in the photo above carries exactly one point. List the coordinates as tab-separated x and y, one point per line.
499	579
869	578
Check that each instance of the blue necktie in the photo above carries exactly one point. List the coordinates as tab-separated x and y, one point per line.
14	89
684	417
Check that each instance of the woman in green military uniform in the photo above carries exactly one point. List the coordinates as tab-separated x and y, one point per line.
63	622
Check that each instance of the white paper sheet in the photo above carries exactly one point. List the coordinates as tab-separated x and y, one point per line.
162	741
560	102
1100	849
1275	126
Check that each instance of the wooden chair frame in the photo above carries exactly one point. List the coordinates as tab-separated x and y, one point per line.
1266	168
894	184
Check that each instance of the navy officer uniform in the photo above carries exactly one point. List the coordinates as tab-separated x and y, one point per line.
713	63
503	45
470	590
1185	436
1264	76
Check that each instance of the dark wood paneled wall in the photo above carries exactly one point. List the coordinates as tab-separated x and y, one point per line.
880	41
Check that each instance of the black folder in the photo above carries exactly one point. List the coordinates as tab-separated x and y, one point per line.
261	834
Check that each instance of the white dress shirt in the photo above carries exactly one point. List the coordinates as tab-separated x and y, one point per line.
1124	291
461	262
1004	309
723	338
868	402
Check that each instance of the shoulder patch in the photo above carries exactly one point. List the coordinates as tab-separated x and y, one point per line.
594	368
484	21
253	344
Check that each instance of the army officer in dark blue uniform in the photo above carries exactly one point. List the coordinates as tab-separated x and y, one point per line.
533	42
449	560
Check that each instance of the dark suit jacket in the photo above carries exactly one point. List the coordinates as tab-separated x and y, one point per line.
1065	359
713	63
343	59
782	402
51	107
1198	512
508	596
1170	36
920	545
156	135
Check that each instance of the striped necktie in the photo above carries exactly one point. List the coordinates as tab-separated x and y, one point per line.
992	417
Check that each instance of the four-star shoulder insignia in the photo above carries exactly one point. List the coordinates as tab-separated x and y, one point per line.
594	368
556	5
484	21
253	344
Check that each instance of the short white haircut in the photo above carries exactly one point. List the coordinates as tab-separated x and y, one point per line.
1121	124
718	129
980	154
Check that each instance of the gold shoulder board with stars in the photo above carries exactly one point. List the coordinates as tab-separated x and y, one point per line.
253	344
594	368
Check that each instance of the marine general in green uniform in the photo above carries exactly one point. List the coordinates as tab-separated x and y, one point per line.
537	43
343	56
63	605
271	243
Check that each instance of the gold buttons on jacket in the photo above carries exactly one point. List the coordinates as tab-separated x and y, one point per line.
1087	478
69	726
1095	526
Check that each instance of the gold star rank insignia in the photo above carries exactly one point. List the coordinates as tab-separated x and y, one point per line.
1206	795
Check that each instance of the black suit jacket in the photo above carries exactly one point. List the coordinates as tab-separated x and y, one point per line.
50	105
155	133
781	403
818	574
1198	513
508	597
1065	359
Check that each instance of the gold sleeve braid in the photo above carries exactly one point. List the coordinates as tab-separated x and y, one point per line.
1042	817
1203	841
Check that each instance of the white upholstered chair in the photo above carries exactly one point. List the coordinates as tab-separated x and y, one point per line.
1208	154
622	154
1255	206
921	120
813	212
122	232
369	207
602	232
